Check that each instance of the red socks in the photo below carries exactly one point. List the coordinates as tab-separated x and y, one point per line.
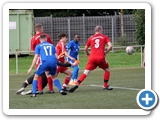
50	84
81	78
106	78
40	83
66	80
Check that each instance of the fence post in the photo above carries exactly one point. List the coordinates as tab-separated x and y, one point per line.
84	28
112	34
16	62
69	32
141	56
51	27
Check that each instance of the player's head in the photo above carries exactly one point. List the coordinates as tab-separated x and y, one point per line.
43	37
38	28
62	37
76	37
98	29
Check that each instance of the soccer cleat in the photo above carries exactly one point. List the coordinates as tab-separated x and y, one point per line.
26	93
33	95
73	88
108	88
39	92
72	83
65	88
63	92
20	90
50	92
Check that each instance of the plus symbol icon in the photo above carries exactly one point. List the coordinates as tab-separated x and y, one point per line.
147	99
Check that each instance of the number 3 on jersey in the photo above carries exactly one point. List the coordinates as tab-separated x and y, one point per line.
48	49
96	43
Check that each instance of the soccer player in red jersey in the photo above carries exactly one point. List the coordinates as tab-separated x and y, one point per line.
35	40
61	48
96	57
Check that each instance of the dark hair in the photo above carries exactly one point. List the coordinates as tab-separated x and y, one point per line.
42	36
60	35
37	27
77	35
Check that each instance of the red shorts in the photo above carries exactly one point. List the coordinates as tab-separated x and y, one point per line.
61	69
93	63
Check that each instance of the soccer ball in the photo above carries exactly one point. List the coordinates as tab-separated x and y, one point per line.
130	50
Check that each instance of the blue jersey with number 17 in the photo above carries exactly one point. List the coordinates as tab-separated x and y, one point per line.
47	52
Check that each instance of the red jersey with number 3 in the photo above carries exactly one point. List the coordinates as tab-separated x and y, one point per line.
97	43
35	40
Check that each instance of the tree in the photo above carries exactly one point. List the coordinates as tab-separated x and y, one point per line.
78	12
139	17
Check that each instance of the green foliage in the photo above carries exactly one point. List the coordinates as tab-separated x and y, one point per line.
78	12
123	40
139	17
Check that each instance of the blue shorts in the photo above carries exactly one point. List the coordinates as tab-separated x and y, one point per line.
51	67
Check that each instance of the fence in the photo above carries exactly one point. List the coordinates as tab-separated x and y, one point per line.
113	26
21	64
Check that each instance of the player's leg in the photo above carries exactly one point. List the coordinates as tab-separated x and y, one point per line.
41	69
40	78
50	84
76	73
25	84
90	66
34	85
105	66
56	82
67	78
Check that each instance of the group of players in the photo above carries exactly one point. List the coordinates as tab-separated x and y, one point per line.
50	61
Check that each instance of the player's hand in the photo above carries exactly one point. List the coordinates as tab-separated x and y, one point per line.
61	55
76	63
87	54
73	59
29	70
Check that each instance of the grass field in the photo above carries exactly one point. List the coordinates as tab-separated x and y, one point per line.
127	79
116	60
127	82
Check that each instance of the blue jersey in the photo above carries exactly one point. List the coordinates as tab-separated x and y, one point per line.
73	49
47	52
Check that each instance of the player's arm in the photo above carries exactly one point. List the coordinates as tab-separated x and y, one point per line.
109	47
66	54
63	64
32	44
33	63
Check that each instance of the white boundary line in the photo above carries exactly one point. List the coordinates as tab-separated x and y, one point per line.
123	88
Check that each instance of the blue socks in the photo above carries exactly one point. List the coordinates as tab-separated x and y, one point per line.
34	86
57	84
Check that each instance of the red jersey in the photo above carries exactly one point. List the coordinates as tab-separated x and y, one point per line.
35	40
60	47
97	43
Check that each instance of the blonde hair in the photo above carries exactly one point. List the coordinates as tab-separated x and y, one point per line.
98	28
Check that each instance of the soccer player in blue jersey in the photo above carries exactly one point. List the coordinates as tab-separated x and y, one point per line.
48	62
73	49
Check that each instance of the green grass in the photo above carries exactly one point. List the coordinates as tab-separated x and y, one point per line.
86	96
116	60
